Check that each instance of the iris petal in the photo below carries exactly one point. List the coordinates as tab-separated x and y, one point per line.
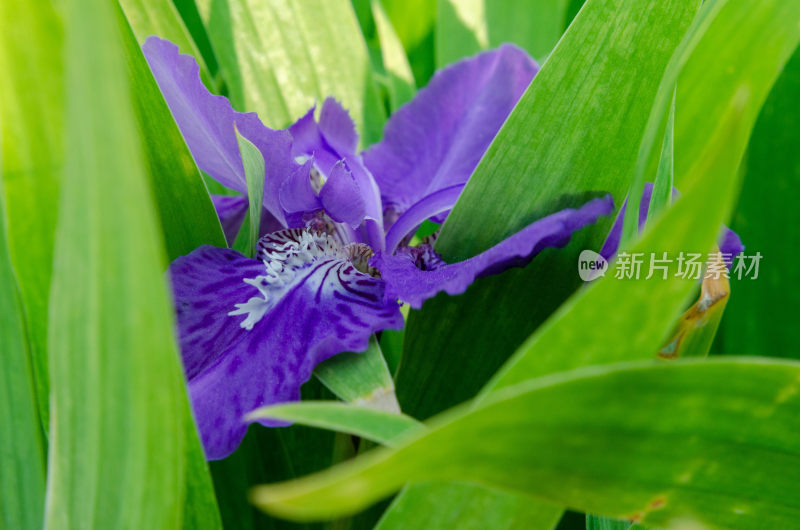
436	140
334	140
437	202
407	280
302	304
208	124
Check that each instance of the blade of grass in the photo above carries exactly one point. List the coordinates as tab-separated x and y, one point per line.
118	394
712	443
22	460
31	117
254	171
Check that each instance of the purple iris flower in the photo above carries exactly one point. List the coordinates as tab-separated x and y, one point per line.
334	262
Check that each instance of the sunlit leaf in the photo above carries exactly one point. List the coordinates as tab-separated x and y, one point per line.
31	114
22	460
118	394
279	58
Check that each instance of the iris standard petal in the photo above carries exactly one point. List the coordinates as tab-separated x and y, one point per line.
208	124
436	140
334	140
252	331
341	197
413	275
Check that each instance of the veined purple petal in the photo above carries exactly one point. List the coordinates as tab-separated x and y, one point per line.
341	197
407	281
729	241
252	331
437	202
208	123
436	140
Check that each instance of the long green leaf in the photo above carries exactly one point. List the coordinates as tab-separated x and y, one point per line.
278	58
575	130
187	216
665	176
761	314
254	171
22	462
692	224
122	449
762	34
644	310
414	21
31	115
712	442
376	425
465	506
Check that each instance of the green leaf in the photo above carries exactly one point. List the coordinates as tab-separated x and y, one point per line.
708	442
761	314
465	27
432	505
762	35
187	216
279	58
22	460
254	172
643	310
665	176
569	135
414	22
161	18
360	378
117	391
31	116
401	80
376	425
